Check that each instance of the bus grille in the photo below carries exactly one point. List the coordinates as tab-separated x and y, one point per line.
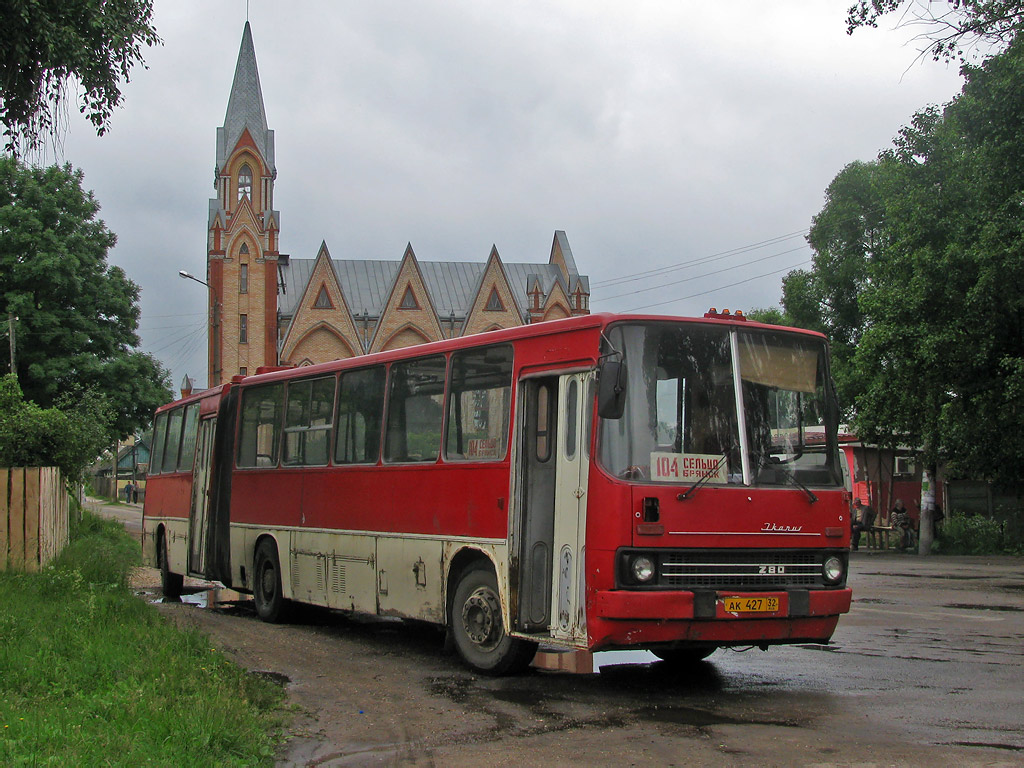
748	569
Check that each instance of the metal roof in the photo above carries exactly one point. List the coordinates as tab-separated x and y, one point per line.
245	108
452	284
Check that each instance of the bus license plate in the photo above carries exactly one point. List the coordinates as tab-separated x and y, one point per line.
750	604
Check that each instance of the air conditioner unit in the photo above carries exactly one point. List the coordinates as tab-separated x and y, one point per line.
904	465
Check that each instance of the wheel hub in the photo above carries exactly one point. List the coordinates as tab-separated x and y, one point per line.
268	582
481	617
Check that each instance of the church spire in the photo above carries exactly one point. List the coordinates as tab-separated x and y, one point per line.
242	252
245	108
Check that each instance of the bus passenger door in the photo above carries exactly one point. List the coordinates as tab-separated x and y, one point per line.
536	492
200	506
570	502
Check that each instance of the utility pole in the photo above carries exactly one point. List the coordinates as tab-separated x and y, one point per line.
113	473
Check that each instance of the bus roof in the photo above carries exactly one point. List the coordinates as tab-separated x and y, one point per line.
579	323
569	324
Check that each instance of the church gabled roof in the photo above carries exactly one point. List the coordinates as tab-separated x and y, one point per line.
452	285
245	108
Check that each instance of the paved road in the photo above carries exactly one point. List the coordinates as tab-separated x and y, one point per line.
927	669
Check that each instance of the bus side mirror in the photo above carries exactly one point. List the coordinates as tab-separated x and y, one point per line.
611	390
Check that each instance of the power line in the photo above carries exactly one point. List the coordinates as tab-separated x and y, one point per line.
633	277
713	290
706	274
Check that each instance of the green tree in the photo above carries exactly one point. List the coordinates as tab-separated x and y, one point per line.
844	236
769	316
49	47
919	259
949	29
76	315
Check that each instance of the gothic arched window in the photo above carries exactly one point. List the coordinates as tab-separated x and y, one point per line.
245	181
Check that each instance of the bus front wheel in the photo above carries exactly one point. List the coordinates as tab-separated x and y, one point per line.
266	589
170	583
478	629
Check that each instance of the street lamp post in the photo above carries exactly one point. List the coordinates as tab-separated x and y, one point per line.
215	379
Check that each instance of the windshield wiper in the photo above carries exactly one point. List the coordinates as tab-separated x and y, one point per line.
703	479
791	477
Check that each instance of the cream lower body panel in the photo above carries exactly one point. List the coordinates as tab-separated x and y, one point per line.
176	531
367	572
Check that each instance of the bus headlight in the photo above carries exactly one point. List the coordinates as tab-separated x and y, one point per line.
832	570
641	567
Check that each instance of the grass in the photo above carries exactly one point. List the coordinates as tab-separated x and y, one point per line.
92	675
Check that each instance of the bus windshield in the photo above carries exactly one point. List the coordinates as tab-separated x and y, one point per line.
691	386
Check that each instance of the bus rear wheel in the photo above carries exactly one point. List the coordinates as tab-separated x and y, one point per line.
683	656
170	583
266	589
478	629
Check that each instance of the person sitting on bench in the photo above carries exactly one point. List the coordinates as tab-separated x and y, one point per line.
862	519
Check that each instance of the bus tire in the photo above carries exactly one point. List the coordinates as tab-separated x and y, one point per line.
477	628
170	583
266	589
683	656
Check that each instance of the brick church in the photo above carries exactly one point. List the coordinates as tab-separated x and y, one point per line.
270	309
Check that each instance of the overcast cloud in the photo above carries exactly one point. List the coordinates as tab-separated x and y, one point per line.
654	133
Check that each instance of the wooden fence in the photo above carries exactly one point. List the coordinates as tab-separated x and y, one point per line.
33	517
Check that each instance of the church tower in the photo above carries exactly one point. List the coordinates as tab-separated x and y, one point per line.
242	251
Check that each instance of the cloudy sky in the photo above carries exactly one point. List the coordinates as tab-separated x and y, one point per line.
689	141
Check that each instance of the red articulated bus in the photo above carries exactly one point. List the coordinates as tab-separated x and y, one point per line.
599	482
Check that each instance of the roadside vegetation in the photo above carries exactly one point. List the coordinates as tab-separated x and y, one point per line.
979	535
92	675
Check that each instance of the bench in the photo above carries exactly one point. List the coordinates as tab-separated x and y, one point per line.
888	537
881	536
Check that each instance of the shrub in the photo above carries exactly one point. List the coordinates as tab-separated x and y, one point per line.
68	436
971	535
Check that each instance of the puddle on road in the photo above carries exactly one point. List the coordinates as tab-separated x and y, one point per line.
945	576
830	648
703	718
987	745
977	607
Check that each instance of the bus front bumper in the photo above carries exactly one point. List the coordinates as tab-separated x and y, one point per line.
624	618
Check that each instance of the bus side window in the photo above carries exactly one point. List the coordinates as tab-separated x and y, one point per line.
543	422
261	426
360	412
415	410
188	439
170	461
159	438
479	404
571	405
308	420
